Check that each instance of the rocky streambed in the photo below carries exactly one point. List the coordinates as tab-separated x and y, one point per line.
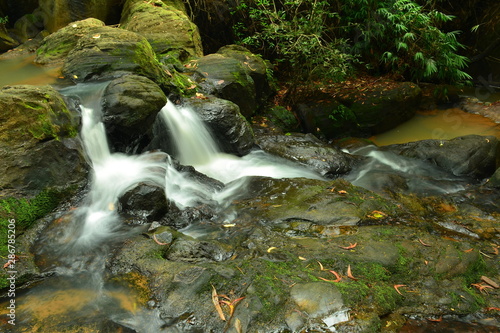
283	255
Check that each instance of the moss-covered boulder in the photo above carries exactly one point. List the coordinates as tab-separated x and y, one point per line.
38	148
227	78
107	51
358	109
167	28
131	103
6	41
55	47
232	131
254	65
58	13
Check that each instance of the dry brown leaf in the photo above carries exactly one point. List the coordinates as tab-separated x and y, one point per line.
397	286
349	273
490	282
215	300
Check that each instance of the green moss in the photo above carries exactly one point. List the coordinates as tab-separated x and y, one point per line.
24	212
373	271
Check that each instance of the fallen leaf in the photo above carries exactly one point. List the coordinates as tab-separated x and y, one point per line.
351	246
215	300
490	282
422	242
481	287
436	320
397	286
349	273
229	225
492	309
321	266
157	241
96	36
469	250
271	249
342	192
302	258
338	277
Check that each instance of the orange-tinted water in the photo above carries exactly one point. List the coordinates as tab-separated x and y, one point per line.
24	71
438	124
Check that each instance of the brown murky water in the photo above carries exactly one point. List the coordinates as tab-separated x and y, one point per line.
24	71
438	124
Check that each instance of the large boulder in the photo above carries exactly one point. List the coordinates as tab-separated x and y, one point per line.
223	117
227	78
131	103
471	155
361	109
38	148
58	13
167	28
107	51
254	66
55	47
307	150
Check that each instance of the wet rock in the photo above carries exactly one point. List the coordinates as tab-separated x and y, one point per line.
38	148
472	155
55	47
145	203
306	149
317	299
232	131
167	29
495	179
226	78
327	203
131	104
187	250
106	51
6	41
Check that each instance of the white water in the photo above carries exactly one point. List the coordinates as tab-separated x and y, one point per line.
113	174
420	177
196	147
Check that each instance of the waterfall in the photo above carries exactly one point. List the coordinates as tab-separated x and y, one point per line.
195	146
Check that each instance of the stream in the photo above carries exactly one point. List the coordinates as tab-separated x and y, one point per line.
74	250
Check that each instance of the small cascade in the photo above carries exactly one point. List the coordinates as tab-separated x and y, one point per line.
196	147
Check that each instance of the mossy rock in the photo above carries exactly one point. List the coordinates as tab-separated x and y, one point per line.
226	78
38	147
165	27
55	47
106	51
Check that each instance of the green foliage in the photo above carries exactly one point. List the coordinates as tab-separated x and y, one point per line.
297	34
323	40
4	20
405	38
342	113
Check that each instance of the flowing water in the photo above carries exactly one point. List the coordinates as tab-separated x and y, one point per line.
76	247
